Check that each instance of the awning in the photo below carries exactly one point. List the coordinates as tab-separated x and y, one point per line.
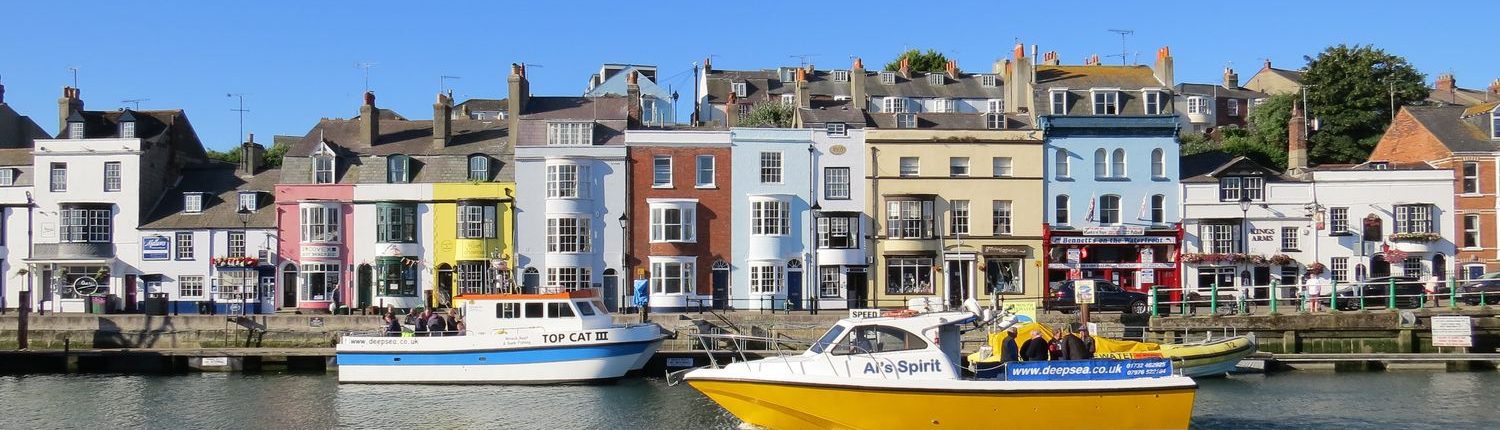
91	261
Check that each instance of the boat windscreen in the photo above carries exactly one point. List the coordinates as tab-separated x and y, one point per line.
827	339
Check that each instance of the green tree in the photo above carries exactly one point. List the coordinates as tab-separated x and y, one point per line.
1350	92
931	61
769	114
271	159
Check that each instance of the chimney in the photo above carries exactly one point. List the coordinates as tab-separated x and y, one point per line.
905	68
708	65
1231	79
1495	87
632	100
1267	65
1051	58
2	94
1020	79
1445	82
1163	69
1296	156
732	111
442	121
251	154
857	85
1092	60
520	95
66	105
369	120
953	69
802	93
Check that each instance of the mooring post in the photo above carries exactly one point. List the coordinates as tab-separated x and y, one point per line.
23	325
1275	297
1390	302
1452	293
1213	298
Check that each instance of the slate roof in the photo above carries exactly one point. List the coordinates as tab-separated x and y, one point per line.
1196	167
359	162
945	121
484	105
763	85
25	130
154	126
968	85
1457	131
221	202
15	157
1461	96
1220	91
1078	80
760	85
826	111
576	108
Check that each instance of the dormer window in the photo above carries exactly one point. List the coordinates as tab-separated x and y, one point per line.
894	105
994	106
479	167
942	105
75	130
906	120
1059	101
1153	102
127	129
934	79
988	80
1106	101
397	169
192	203
1495	124
570	133
1380	165
887	78
837	129
739	89
323	168
789	99
1197	105
7	177
841	76
248	200
994	121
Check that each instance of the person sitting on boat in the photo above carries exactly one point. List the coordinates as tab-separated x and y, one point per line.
1088	343
392	325
450	322
1035	349
1008	350
1057	349
420	322
435	324
1073	348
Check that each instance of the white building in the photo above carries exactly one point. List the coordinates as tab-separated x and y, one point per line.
16	134
842	254
372	241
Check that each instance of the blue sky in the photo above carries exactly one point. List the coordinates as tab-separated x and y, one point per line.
295	62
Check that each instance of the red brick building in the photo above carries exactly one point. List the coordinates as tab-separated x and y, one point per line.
679	216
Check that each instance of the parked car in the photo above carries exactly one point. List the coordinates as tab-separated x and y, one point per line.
1376	292
1473	291
1107	297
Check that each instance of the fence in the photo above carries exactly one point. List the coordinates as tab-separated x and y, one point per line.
1333	297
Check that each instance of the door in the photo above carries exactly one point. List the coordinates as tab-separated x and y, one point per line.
855	282
1260	278
794	290
366	283
289	286
960	282
721	288
130	294
611	290
444	292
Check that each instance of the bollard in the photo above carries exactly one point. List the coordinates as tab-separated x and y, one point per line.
1359	290
1452	293
1390	301
1333	298
1274	297
1213	298
1153	301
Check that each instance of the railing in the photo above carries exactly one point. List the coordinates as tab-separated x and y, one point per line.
1334	296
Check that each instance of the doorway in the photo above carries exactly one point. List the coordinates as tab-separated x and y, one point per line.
721	285
960	282
130	294
794	285
1379	266
444	285
289	286
365	279
1440	267
855	285
611	290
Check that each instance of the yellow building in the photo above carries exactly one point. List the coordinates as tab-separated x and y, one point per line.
474	237
958	211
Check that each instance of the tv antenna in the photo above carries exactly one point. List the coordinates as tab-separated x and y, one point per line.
241	110
136	102
802	58
366	67
443	80
1124	50
74	69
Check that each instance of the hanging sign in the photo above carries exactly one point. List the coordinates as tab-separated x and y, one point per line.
155	247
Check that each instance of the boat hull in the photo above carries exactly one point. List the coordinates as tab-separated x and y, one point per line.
513	358
798	405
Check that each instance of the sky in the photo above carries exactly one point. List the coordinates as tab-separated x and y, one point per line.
295	62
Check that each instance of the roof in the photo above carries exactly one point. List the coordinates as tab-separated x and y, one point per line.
485	105
405	137
967	85
1455	126
1371	165
760	85
826	111
1220	91
15	157
221	185
944	121
1461	96
1290	75
154	126
1203	163
576	108
1079	80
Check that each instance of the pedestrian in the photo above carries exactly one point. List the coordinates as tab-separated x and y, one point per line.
1035	349
1430	284
1315	292
392	325
436	326
1088	343
1008	350
1073	347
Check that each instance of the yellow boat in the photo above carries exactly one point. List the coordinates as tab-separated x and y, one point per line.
1212	357
902	372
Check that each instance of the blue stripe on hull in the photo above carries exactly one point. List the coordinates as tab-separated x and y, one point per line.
492	357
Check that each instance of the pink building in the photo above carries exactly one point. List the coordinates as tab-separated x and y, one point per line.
314	221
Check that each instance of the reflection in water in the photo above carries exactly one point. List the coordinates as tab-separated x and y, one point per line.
1307	400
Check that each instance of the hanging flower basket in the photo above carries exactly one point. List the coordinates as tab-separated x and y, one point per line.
1316	268
235	262
1416	237
1282	260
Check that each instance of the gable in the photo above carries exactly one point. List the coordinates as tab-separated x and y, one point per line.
1408	140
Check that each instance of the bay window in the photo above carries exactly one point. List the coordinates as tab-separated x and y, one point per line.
767	278
566	181
569	133
568	278
1220	238
477	220
1414	218
320	223
838	231
569	235
770	218
673	222
395	223
672	275
85	224
909	219
319	281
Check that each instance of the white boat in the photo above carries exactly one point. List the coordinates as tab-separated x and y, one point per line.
560	337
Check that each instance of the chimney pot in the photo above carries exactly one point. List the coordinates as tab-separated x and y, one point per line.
1495	87
369	98
1445	82
905	67
1020	50
369	120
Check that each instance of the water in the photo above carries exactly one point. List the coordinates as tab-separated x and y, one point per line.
1303	400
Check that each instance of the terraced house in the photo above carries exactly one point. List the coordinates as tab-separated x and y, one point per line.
17	132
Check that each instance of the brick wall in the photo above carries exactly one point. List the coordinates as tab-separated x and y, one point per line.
713	211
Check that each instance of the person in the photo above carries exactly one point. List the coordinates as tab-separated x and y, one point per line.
1088	343
436	326
1035	349
1430	285
392	325
419	321
1055	350
1008	350
1315	292
1073	348
450	322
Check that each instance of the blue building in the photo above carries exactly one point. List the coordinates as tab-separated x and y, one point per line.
657	103
772	188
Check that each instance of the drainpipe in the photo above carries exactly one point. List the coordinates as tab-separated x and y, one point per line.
873	169
810	273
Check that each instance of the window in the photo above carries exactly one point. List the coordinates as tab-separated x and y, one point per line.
568	235
934	79
1059	101
1061	164
89	224
648	110
836	183
1158	208
994	106
743	110
7	177
248	201
739	88
574	133
565	181
1471	177
318	281
893	105
942	105
769	218
1117	163
1109	209
705	171
766	278
958	167
1471	231
184	250
887	78
1339	268
906	120
190	286
1289	239
323	169
789	99
236	244
672	224
830	282
1002	167
473	277
476	220
127	129
1153	102
841	76
396	169
1338	220
1495	124
987	80
958	217
112	176
59	177
770	167
905	275
838	232
1101	163
1197	105
1234	107
535	310
672	277
395	277
1001	217
1413	219
395	223
320	224
568	278
873	339
1106	102
910	166
479	168
1411	267
909	219
1060	210
1158	163
661	171
1219	238
1289	275
75	130
836	129
1231	188
192	203
1003	276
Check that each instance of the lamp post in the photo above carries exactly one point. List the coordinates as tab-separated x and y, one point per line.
625	264
1244	224
244	214
816	277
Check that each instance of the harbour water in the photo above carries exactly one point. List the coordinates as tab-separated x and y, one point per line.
1300	400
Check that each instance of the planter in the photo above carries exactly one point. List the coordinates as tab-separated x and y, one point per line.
1414	247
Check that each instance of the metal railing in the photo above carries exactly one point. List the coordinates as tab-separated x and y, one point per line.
1333	296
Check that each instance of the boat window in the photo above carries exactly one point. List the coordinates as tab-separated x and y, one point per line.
559	310
534	310
585	309
508	310
827	339
873	339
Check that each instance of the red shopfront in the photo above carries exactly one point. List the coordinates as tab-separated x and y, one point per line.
1135	258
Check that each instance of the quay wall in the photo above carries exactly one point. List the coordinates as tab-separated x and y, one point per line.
1334	333
84	331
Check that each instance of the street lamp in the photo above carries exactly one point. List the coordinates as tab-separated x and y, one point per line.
244	214
816	276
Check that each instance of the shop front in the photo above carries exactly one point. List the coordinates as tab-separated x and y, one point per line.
1135	258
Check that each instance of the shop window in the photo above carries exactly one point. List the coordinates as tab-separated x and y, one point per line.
908	275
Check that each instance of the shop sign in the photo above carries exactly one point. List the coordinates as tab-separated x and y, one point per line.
1006	250
1145	277
1117	230
1116	240
1262	234
1147	255
1088	370
1074	255
155	247
471	249
1083	292
320	251
1112	266
1452	330
390	250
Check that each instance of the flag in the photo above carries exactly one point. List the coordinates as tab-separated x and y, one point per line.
1090	216
1144	215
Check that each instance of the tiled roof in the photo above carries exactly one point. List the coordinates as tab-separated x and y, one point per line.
826	111
152	125
1461	96
945	121
1079	80
576	108
967	85
1220	91
221	200
1455	127
487	105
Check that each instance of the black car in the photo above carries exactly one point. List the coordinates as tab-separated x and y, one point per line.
1107	297
1474	291
1377	291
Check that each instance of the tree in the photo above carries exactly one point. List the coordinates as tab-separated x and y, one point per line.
1265	140
769	114
1349	92
932	61
271	159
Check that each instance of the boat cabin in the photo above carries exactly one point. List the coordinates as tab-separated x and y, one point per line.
924	346
562	311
